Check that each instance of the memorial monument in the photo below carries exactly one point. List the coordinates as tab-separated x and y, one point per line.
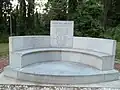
61	58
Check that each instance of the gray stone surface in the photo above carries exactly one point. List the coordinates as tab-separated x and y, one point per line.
6	80
60	72
96	44
62	33
19	43
60	68
27	57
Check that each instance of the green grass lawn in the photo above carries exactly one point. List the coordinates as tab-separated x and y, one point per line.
4	50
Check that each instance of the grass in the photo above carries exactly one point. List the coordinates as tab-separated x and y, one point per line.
4	50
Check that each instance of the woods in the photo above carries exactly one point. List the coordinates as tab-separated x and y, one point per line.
92	18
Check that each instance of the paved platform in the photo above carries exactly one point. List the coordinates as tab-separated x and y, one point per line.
61	68
61	72
6	80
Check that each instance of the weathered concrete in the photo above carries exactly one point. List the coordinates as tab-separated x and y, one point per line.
6	80
61	72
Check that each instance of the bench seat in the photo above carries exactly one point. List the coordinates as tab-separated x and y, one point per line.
89	57
91	52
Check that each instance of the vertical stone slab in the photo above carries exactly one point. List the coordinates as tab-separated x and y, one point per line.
61	33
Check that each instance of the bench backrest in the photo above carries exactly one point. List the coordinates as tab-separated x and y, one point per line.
17	43
33	42
96	44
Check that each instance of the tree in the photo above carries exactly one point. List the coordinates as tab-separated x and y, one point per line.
5	9
21	17
72	6
57	9
30	16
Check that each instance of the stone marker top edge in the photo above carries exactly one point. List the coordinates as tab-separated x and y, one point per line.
94	38
29	36
62	22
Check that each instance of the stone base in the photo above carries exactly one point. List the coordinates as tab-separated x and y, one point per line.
61	73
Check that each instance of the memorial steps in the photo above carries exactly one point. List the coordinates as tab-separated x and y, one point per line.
61	72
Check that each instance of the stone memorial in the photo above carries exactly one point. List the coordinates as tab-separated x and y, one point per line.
61	34
61	58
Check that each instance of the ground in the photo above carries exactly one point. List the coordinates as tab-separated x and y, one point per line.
111	84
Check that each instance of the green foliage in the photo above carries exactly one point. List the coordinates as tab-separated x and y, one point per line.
5	9
3	49
4	39
87	19
86	16
56	10
90	17
113	33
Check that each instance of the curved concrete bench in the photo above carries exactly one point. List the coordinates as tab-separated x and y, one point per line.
34	49
92	58
95	55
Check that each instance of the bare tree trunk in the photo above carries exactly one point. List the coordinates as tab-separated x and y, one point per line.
107	11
